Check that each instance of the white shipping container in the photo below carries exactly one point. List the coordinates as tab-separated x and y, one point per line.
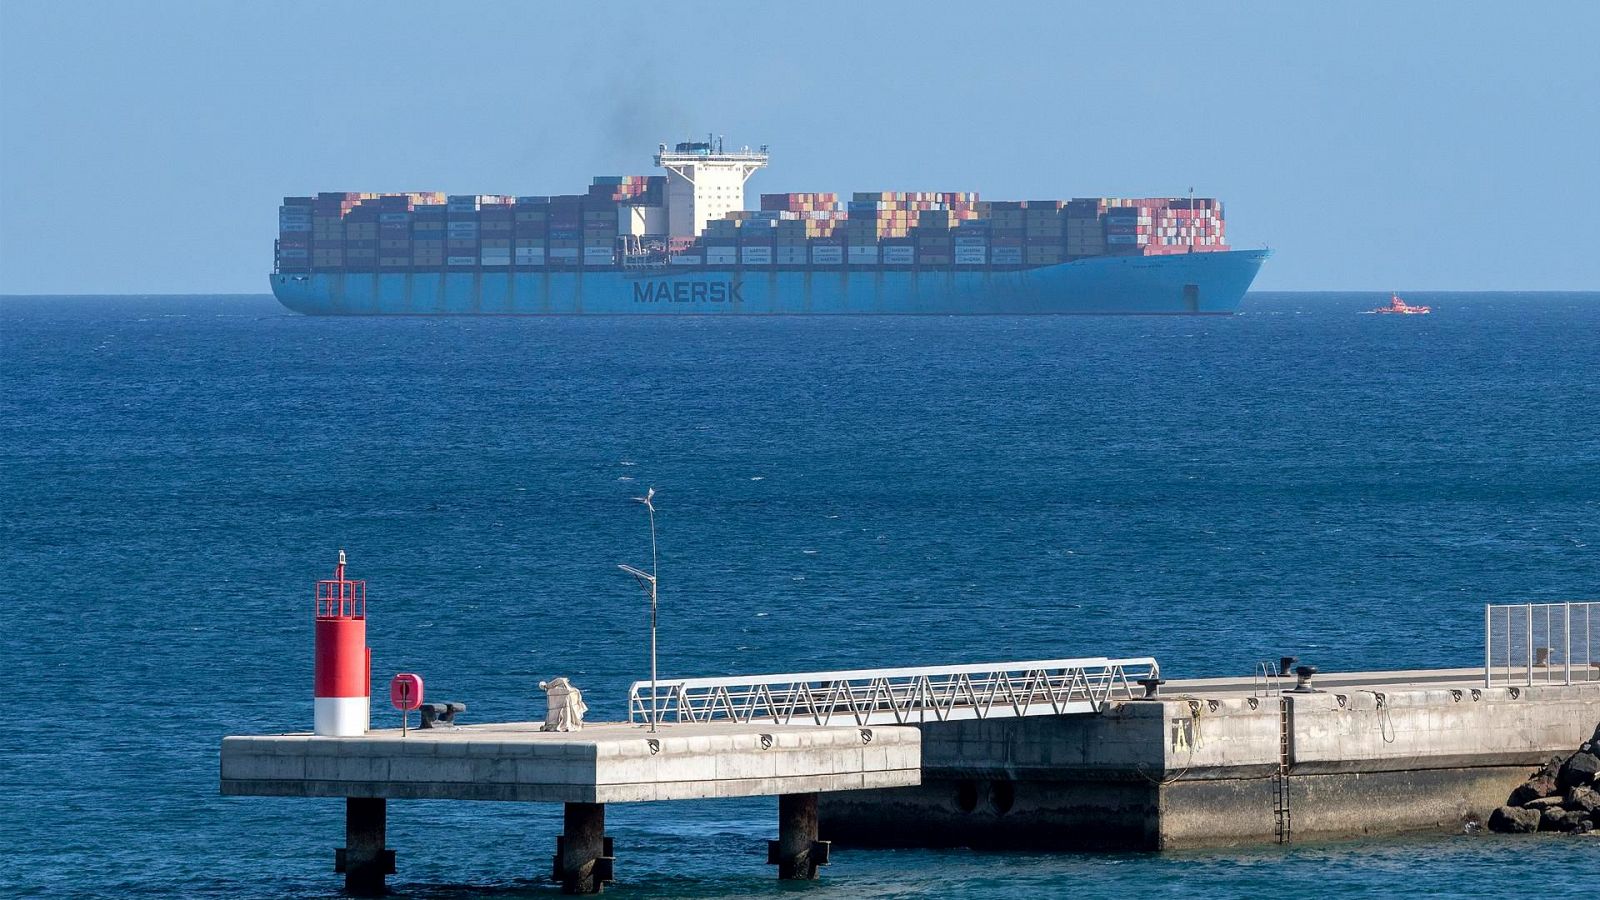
461	260
759	255
827	256
687	259
863	254
564	253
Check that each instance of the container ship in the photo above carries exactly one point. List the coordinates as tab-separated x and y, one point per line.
683	243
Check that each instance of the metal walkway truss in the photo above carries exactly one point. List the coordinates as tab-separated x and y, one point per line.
1051	687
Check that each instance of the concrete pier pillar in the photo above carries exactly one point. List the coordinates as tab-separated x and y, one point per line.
583	861
363	859
797	853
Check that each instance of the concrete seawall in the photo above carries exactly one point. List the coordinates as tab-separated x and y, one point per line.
1371	753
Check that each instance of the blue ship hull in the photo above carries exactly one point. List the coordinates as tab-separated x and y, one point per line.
1186	284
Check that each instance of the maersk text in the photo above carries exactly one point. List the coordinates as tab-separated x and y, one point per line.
687	292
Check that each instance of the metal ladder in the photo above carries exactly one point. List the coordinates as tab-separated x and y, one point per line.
1268	683
1283	825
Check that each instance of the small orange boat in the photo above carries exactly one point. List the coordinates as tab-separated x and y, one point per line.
1399	307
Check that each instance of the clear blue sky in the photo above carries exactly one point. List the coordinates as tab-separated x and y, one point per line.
144	146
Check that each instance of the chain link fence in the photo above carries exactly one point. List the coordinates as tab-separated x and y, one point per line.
1541	643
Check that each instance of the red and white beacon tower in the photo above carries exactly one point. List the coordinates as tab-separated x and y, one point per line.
344	664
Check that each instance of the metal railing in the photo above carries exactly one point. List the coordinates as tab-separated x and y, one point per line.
744	154
1268	680
896	696
1541	643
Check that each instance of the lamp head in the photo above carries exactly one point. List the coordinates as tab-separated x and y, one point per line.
645	578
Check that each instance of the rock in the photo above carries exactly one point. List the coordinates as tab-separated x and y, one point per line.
1543	803
1579	769
1584	827
1555	819
1532	789
1583	799
1550	769
1514	820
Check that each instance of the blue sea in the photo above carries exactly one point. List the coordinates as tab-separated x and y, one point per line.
176	472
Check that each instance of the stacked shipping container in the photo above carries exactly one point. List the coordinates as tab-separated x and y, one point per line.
530	232
295	233
1153	226
430	232
800	225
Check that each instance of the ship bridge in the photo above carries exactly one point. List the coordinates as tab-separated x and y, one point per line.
705	181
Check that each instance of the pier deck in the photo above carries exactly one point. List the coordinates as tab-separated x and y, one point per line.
1395	680
603	763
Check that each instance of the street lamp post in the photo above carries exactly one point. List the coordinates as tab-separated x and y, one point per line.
647	580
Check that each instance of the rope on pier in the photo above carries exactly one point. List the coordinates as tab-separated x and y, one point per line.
1197	710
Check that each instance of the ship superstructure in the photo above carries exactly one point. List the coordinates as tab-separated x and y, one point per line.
704	182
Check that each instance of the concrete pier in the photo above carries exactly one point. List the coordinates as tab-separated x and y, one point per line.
1205	762
1367	753
603	763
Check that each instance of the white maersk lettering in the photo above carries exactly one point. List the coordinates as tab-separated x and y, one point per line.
687	292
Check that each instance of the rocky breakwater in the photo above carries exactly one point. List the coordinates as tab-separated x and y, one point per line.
1564	795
